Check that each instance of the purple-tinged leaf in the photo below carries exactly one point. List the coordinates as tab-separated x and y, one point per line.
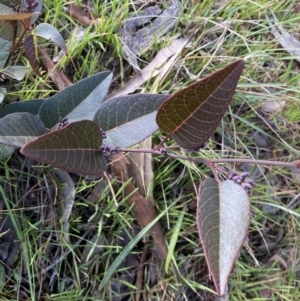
31	54
74	148
223	216
192	114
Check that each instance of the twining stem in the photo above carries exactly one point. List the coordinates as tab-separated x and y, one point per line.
209	162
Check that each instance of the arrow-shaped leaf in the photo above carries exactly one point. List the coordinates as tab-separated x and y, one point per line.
223	216
77	102
193	114
17	129
130	119
74	148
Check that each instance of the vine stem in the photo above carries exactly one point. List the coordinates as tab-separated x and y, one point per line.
210	162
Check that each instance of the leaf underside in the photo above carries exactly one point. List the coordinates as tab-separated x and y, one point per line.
48	32
192	115
74	148
223	216
16	129
130	119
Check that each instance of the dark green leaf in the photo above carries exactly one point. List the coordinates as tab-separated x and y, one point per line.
193	114
16	129
74	148
129	119
223	215
77	102
31	106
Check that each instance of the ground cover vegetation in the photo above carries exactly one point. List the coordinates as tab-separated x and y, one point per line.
207	208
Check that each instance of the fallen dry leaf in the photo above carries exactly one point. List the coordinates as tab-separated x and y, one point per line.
77	13
287	40
162	61
145	27
57	76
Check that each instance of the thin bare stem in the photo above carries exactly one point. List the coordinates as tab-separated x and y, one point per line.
209	162
161	143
